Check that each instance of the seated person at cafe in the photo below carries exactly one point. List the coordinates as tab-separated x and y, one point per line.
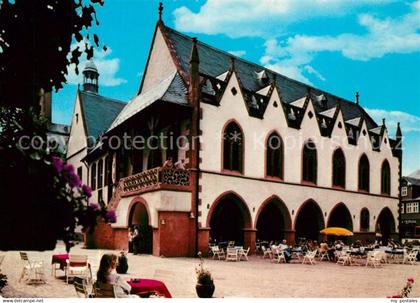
310	245
286	250
106	275
339	245
357	244
329	249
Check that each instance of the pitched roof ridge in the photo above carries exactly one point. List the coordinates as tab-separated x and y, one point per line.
172	50
104	97
260	66
217	49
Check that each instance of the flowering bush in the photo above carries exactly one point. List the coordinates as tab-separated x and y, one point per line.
203	275
406	289
70	188
43	198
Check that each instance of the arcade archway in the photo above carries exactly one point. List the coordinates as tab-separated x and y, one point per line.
340	217
228	218
309	221
272	220
139	216
385	224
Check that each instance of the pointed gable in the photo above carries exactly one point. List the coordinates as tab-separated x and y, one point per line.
385	141
338	128
274	110
309	118
160	63
233	95
78	132
364	138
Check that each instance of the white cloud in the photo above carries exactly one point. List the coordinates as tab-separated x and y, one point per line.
263	18
383	36
408	122
107	67
238	53
310	70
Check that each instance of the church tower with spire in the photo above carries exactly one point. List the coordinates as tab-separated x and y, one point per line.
90	77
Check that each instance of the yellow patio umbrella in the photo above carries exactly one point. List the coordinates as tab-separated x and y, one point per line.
336	231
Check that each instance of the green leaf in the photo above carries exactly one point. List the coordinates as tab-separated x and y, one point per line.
35	156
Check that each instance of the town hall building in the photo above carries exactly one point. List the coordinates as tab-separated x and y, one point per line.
221	149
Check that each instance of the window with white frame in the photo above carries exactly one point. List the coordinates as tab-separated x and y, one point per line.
404	191
412	207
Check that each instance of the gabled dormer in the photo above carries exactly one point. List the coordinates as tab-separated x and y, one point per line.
310	117
275	110
233	95
385	142
364	141
339	127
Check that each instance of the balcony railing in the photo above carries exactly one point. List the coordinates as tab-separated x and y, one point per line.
156	178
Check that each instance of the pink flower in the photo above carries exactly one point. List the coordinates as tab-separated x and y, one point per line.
410	280
68	168
94	206
57	163
111	216
73	180
87	190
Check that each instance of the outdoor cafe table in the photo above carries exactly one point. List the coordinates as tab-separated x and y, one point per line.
60	259
357	253
148	285
396	255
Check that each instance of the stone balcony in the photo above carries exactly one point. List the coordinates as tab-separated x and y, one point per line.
159	178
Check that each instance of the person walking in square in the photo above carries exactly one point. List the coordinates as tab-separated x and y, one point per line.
136	240
130	239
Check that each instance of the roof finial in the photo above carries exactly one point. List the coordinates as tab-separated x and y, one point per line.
357	97
194	52
398	133
232	62
160	10
383	121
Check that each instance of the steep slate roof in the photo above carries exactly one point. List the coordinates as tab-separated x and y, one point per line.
214	62
99	112
172	89
413	181
415	174
414	178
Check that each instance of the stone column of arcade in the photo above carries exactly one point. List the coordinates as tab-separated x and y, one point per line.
250	236
203	240
289	235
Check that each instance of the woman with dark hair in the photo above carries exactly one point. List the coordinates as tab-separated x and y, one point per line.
106	275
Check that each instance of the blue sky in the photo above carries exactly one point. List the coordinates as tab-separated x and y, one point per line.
341	46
